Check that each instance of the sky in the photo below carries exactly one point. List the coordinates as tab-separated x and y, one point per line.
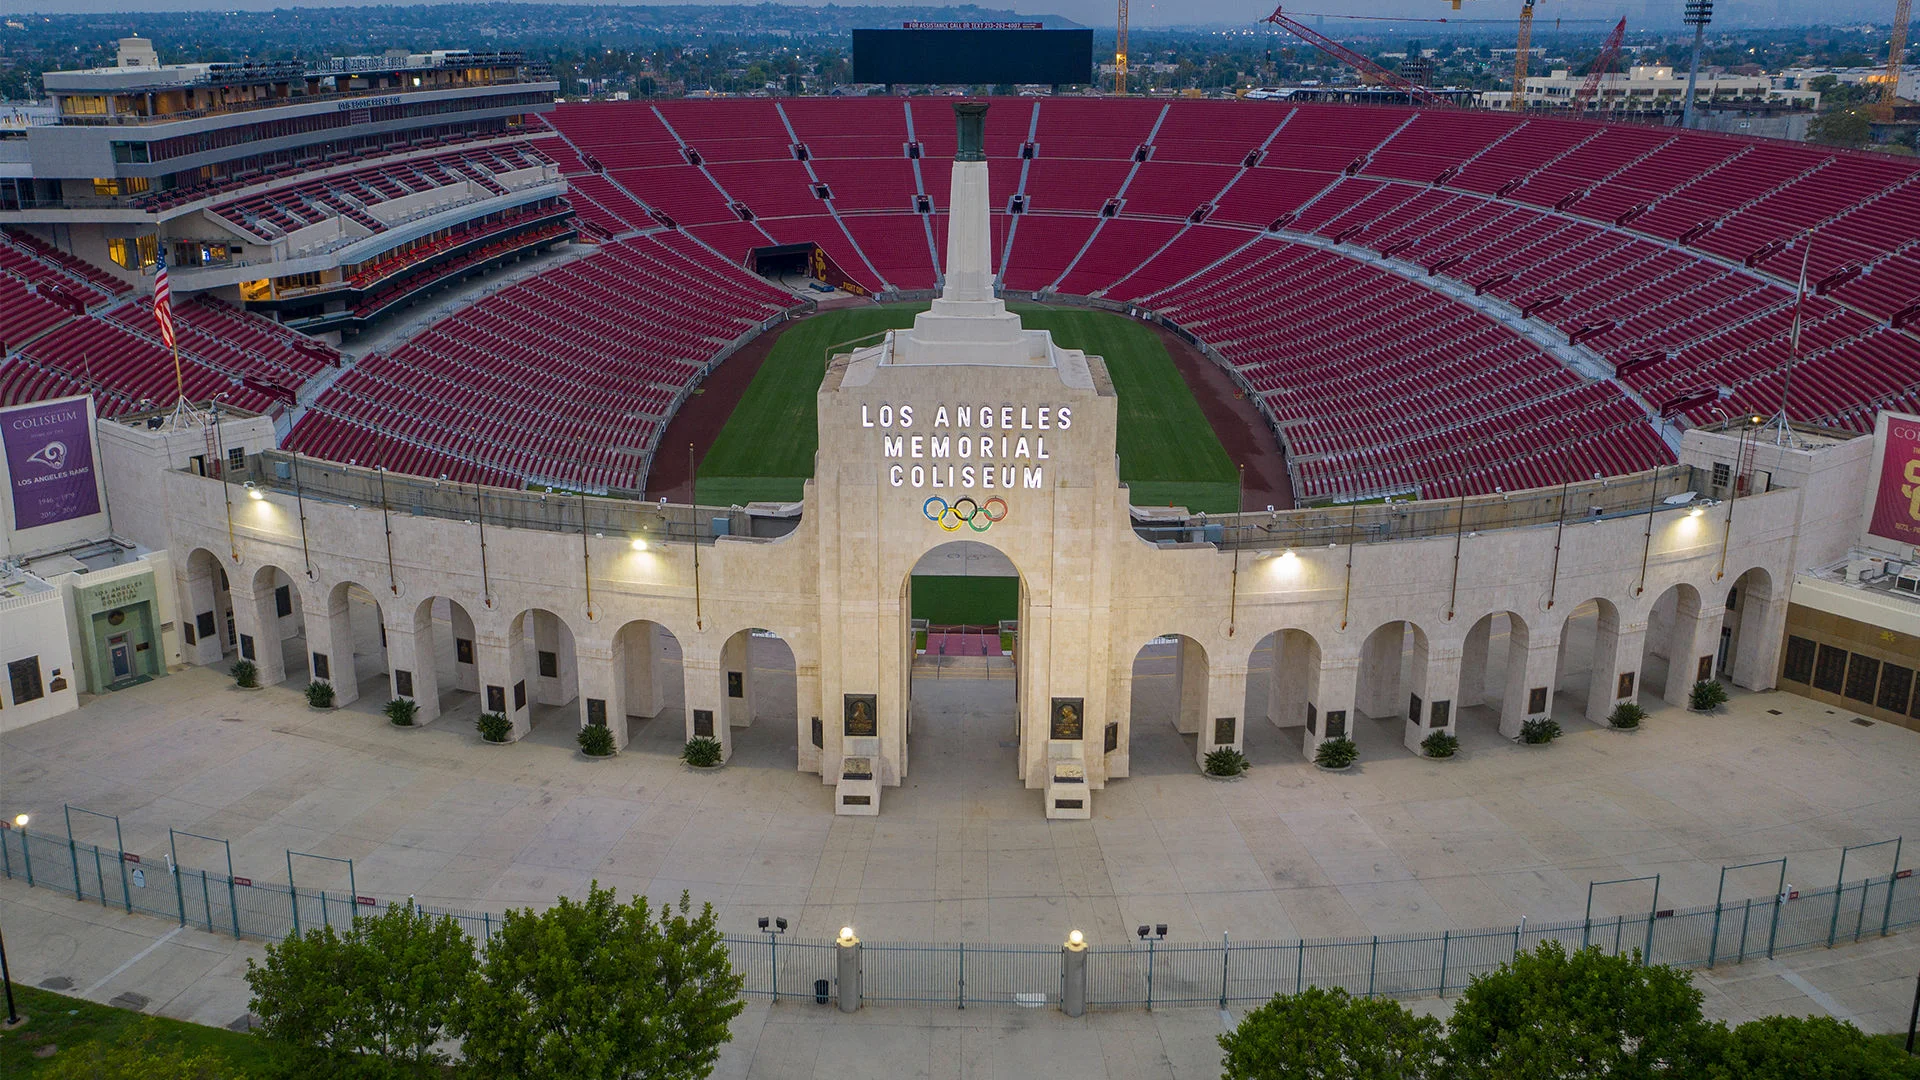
1149	13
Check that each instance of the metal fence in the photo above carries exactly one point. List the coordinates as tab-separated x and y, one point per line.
1147	973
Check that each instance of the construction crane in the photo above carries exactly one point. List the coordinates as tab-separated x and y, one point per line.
1600	65
1120	53
1896	52
1518	97
1370	72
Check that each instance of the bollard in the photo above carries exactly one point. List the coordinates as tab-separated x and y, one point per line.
1073	975
847	969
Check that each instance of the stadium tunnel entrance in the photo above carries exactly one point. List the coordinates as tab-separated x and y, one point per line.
963	602
801	266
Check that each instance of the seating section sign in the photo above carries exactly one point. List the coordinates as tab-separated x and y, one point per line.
1896	507
49	449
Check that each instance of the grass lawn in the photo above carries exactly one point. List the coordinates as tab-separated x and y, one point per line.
1168	452
70	1024
949	600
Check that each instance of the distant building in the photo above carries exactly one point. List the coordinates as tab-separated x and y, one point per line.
1802	78
1649	89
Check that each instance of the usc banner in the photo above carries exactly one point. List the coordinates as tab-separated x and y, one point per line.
1896	508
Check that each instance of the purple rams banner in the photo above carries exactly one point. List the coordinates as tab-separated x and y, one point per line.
50	462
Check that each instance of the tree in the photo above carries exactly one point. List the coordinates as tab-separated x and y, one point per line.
384	991
137	1053
1808	1048
595	990
1331	1035
1553	1015
1841	127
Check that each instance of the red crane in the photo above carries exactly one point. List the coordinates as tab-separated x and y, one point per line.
1600	65
1369	71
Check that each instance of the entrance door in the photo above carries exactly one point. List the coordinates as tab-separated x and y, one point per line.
121	657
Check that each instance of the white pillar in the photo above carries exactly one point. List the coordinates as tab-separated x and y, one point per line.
1436	679
1531	662
412	668
1694	635
330	634
258	622
1616	654
601	697
1330	700
706	689
502	665
1226	697
1378	691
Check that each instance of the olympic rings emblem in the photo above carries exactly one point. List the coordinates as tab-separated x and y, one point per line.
966	511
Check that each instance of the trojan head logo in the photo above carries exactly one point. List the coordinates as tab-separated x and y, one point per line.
1911	489
53	456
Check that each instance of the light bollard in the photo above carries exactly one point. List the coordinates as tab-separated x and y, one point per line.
847	969
1073	975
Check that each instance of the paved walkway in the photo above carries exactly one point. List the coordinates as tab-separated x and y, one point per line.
100	954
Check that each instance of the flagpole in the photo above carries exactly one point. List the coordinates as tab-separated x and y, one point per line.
1784	435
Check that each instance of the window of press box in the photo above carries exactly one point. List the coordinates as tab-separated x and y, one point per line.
135	252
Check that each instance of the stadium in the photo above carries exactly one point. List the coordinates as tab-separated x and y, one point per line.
1367	423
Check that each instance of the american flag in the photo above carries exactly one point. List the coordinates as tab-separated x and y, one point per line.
162	300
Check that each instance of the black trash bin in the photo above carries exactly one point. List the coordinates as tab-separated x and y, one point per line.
820	988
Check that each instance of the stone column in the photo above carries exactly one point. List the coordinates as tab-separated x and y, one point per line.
1436	679
1330	696
330	634
1226	698
1379	693
1532	660
1120	696
1293	676
257	619
1473	665
737	656
601	696
1694	634
412	668
1763	628
544	634
501	662
706	696
808	708
1617	648
202	593
1190	668
639	654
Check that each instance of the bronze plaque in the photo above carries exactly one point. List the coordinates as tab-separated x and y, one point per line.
1706	669
1223	730
1413	707
1069	720
321	669
463	650
862	714
1625	689
1113	737
597	712
819	735
1442	712
1537	700
496	699
402	683
1336	723
736	684
1313	719
703	723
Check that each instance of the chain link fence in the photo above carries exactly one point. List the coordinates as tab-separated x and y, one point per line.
1149	973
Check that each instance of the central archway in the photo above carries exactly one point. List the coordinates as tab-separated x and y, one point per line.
961	606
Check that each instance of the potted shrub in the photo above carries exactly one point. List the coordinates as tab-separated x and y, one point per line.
1706	696
319	694
1226	763
401	711
596	741
1626	716
1336	755
1440	744
702	753
1539	732
246	675
494	727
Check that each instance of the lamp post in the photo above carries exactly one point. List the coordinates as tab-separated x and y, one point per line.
847	969
1698	14
773	948
1159	933
14	1019
1073	975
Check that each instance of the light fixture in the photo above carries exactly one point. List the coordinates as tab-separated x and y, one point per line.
20	821
254	493
1076	939
639	544
846	937
1696	511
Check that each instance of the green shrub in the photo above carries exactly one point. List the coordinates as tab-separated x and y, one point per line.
1441	744
320	694
1543	730
701	752
245	673
1226	761
1706	695
596	740
1332	1034
1336	754
494	727
1626	715
401	711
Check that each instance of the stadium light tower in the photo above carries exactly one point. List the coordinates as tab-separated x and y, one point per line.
1120	51
1699	14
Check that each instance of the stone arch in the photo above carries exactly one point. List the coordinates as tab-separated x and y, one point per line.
1283	682
1752	630
273	627
760	682
542	664
1678	646
347	639
638	674
209	633
433	656
991	715
1596	659
1407	676
1168	698
1496	679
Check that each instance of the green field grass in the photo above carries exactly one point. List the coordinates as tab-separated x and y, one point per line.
948	600
73	1027
1168	453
